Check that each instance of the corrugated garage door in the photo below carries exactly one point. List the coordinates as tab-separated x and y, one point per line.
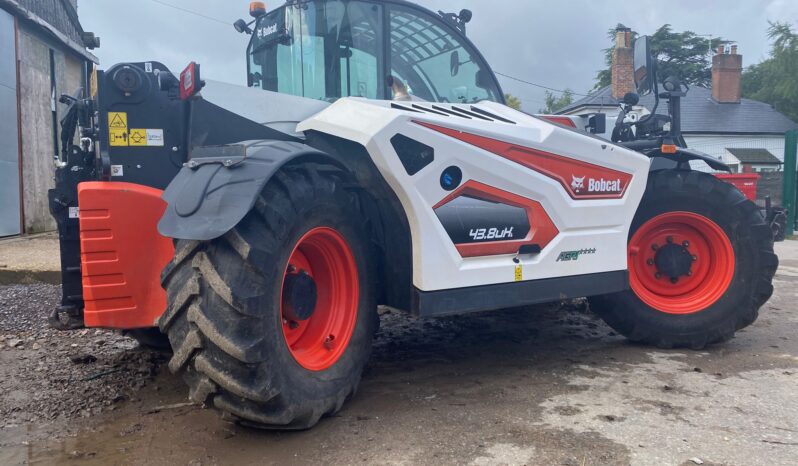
9	140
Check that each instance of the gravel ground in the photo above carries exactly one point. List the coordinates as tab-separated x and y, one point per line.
62	367
547	385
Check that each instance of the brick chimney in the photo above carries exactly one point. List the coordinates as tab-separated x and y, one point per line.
727	75
623	62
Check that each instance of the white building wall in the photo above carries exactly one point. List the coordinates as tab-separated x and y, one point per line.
716	145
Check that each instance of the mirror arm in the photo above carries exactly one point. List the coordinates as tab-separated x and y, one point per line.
656	104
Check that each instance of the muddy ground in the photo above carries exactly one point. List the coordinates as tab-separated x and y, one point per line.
548	385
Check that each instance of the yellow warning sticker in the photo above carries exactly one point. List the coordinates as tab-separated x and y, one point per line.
117	120
117	129
117	137
519	273
138	137
146	137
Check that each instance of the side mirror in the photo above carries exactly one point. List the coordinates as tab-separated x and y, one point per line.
645	66
483	79
597	123
454	63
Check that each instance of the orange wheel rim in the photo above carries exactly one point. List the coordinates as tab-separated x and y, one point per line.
680	263
317	342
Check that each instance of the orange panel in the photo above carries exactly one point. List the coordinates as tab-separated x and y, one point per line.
581	180
560	120
542	229
122	254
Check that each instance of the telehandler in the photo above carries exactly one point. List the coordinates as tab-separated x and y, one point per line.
371	160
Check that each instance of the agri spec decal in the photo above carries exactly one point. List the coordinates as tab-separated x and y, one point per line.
586	185
569	256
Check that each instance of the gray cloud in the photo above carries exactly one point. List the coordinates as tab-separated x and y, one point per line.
554	44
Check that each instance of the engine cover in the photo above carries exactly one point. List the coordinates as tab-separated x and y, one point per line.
493	195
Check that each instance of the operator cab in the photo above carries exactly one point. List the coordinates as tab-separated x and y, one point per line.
387	50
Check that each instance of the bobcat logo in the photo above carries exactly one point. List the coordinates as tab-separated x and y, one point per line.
578	184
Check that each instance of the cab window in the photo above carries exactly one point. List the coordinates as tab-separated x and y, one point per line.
434	63
319	50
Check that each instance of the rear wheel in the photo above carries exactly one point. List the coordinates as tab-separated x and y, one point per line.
273	322
700	260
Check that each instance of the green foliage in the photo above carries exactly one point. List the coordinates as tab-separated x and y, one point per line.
681	54
554	103
512	101
774	80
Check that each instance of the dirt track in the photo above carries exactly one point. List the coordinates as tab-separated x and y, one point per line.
540	385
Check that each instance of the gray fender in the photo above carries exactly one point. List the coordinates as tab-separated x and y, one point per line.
219	186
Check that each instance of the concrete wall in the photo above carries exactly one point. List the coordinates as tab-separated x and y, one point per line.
36	120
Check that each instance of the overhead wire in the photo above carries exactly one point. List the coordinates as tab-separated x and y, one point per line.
561	91
191	12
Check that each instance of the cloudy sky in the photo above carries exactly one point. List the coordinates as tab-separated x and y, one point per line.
556	44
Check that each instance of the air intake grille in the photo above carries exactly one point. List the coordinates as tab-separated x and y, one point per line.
471	113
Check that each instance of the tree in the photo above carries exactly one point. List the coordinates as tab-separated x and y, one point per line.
554	103
774	80
512	101
681	54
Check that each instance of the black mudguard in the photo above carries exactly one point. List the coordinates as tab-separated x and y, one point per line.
220	185
684	155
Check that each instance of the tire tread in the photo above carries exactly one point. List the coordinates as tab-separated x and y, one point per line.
212	318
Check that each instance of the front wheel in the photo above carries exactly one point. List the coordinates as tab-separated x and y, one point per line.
273	322
700	260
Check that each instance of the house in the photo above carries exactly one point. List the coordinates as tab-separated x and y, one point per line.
717	121
43	54
753	160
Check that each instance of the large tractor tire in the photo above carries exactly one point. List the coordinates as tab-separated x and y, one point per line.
701	264
273	322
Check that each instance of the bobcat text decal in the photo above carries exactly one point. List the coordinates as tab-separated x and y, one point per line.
597	186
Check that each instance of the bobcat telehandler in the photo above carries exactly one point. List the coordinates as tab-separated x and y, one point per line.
371	161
